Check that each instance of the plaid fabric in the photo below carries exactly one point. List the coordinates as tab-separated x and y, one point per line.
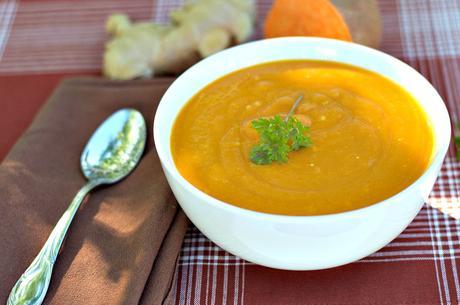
39	39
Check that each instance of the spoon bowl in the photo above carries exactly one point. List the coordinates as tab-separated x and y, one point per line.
115	147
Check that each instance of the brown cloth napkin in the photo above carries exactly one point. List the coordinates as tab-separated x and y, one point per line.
123	244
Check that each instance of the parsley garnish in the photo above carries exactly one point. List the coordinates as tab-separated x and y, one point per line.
278	137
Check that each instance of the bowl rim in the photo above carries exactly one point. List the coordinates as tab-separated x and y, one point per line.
439	149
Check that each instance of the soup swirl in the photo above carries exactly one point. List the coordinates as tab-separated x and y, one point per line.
370	138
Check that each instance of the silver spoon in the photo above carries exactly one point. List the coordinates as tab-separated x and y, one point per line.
110	155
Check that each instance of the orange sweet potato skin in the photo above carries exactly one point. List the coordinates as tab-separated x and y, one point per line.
305	18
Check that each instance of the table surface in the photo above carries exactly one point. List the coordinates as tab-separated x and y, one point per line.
43	41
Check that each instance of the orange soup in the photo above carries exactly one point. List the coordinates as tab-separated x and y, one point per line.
370	138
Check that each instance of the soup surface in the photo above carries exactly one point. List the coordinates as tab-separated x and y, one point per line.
370	138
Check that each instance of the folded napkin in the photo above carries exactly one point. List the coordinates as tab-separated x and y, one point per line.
123	244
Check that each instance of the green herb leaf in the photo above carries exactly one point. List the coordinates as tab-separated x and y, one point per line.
278	138
298	134
457	140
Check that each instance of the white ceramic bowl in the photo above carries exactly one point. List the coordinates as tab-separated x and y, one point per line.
300	242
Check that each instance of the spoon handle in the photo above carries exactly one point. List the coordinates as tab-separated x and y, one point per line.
31	287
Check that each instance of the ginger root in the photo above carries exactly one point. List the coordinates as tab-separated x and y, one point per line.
198	29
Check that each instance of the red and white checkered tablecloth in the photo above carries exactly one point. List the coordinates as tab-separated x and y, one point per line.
43	40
